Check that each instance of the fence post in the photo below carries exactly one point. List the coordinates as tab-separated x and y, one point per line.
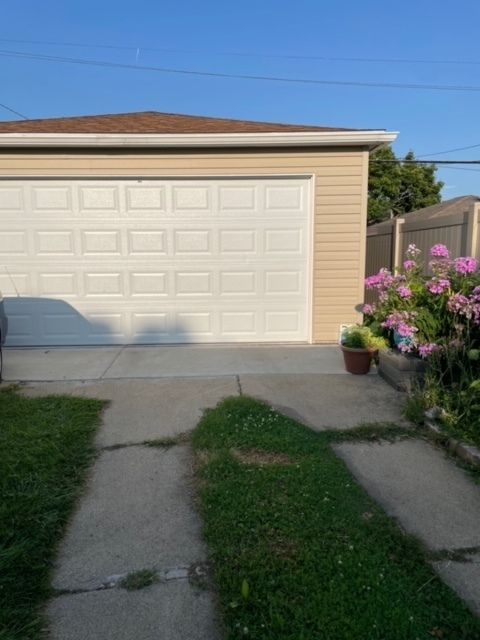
397	243
472	232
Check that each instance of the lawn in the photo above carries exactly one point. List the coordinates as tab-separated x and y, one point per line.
45	449
299	551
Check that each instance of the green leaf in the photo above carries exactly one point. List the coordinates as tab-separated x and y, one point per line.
245	590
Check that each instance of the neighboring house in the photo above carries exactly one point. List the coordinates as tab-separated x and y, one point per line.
454	223
161	228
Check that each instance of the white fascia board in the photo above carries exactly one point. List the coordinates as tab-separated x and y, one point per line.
371	139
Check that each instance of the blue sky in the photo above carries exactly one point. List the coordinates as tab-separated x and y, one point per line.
428	121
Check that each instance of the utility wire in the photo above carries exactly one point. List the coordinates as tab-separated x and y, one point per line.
17	113
440	153
460	169
211	74
243	54
400	161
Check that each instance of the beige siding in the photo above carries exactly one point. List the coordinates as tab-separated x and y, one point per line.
340	183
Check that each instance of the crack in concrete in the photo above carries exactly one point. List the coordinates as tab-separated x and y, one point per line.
117	355
239	385
161	443
459	554
197	574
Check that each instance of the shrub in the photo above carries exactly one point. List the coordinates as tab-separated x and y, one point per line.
362	337
429	314
436	317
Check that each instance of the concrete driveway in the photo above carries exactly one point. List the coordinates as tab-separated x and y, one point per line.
307	382
96	363
138	509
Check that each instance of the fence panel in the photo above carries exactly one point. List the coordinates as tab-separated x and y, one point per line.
453	231
379	254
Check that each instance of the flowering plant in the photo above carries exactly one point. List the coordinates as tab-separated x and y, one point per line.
423	314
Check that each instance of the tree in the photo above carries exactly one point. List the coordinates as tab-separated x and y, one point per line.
399	186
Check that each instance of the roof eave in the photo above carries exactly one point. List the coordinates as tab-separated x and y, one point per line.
370	139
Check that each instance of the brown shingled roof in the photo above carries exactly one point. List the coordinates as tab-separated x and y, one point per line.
150	122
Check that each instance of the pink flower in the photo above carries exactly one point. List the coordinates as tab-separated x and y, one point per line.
404	292
413	251
368	309
405	330
409	264
439	251
424	350
405	347
380	281
457	303
438	285
465	266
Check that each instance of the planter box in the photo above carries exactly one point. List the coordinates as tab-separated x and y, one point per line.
400	370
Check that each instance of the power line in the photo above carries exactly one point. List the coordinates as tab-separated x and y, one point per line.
460	169
400	161
439	153
17	113
243	54
211	74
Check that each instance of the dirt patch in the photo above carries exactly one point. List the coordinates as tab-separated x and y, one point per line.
204	457
260	458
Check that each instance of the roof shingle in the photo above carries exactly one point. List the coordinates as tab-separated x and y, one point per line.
151	122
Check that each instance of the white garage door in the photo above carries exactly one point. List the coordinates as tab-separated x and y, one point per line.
155	261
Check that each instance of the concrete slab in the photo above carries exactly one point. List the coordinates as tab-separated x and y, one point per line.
173	611
464	578
145	409
328	401
219	360
137	513
57	363
414	482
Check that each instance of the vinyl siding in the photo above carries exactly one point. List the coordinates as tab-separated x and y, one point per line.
340	179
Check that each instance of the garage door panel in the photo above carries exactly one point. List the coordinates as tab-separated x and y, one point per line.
236	198
13	243
145	201
233	241
146	261
59	242
95	200
147	242
193	241
54	200
11	200
282	197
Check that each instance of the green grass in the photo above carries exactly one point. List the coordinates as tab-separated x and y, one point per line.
139	580
45	449
299	551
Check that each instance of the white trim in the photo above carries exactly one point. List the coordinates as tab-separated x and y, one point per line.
371	139
159	176
311	258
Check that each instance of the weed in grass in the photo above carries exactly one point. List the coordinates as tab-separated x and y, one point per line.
46	446
260	458
138	580
168	441
320	558
370	432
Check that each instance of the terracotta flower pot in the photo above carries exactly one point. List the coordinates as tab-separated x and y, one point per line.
357	361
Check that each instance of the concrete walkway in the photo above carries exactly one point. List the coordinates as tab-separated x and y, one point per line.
137	514
138	510
431	498
96	363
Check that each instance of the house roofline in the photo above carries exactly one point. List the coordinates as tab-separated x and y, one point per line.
372	139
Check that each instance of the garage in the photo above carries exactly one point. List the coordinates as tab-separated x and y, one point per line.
155	228
135	261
